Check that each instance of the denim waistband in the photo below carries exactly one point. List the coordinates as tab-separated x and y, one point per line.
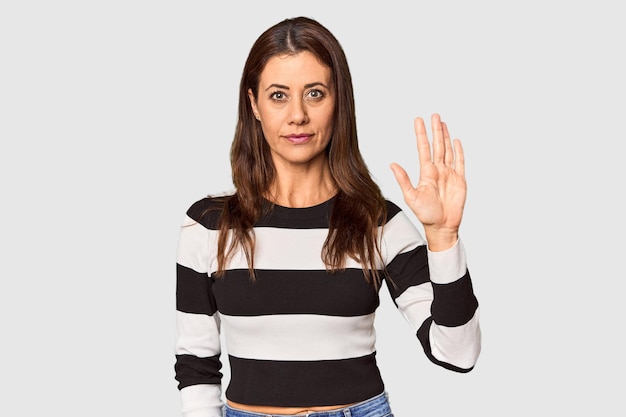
379	402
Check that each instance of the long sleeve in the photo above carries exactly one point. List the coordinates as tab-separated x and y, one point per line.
451	337
434	292
197	346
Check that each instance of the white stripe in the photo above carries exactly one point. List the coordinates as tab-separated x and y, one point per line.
193	246
459	346
300	249
289	248
299	337
295	249
201	400
403	237
415	304
280	248
447	266
197	334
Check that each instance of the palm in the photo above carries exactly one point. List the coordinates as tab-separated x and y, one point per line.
439	197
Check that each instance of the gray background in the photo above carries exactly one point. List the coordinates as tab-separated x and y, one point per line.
115	116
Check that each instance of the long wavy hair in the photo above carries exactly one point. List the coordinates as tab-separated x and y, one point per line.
359	207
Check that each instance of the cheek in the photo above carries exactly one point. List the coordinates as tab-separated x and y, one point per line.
329	119
271	116
270	123
329	113
271	128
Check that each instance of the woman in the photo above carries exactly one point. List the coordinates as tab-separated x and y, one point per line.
289	265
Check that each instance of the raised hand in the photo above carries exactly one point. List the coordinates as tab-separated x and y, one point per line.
439	197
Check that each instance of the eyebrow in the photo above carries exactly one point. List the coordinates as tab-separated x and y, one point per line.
284	87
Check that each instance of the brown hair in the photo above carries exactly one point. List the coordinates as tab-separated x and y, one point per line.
359	207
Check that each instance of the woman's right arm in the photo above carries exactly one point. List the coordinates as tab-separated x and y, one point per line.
197	346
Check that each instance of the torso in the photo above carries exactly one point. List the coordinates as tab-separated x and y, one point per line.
322	351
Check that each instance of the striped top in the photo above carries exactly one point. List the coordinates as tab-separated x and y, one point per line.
302	336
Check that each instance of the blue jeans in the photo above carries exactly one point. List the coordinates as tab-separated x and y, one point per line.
377	406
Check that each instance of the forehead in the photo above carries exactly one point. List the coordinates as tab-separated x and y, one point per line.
293	70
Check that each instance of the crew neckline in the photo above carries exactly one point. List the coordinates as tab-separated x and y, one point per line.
310	211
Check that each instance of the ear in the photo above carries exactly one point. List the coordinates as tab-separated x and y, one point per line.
255	109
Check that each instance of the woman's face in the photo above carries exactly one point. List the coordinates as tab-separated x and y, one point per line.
295	106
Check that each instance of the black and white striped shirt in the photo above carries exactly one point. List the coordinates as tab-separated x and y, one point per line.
302	336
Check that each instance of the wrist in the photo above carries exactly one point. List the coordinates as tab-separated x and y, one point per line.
441	239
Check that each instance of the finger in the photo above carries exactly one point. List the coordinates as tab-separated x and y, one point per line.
438	146
459	160
402	178
423	146
447	143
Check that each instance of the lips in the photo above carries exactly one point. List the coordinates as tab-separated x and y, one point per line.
298	139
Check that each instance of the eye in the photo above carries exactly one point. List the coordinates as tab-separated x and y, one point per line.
278	96
315	94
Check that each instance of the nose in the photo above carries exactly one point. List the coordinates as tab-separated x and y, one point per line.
298	112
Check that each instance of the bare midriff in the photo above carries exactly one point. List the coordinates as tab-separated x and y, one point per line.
266	409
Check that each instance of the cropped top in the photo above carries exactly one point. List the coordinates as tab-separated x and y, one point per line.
300	335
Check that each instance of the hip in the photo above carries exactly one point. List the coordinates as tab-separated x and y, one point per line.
377	406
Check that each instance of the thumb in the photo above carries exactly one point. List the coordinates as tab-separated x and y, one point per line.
401	177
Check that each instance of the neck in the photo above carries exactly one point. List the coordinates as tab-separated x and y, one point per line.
302	187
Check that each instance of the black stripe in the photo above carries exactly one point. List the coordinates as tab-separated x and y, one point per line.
423	334
407	270
392	210
193	291
207	211
315	217
288	382
192	370
344	293
454	304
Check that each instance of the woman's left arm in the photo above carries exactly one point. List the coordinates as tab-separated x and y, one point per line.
451	336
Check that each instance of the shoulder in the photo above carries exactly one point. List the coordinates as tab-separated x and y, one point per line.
392	210
399	222
207	210
400	232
